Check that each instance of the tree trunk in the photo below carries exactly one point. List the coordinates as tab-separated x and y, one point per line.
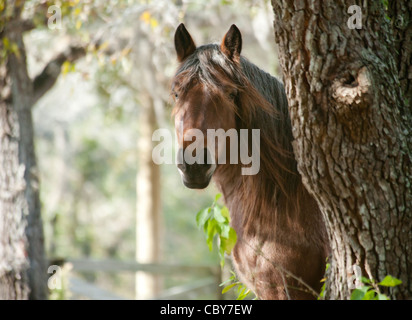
16	102
148	215
352	140
13	206
18	94
22	92
400	13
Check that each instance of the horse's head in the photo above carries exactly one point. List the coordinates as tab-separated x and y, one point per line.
205	89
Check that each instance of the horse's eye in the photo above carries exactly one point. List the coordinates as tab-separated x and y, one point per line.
232	96
175	95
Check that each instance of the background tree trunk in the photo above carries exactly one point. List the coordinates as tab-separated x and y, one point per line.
148	215
22	92
16	103
18	94
13	206
351	125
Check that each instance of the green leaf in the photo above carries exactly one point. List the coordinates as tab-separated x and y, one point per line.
67	67
222	256
381	296
217	214
224	231
6	43
225	213
240	290
229	242
226	282
390	281
366	280
226	289
217	197
369	295
359	293
243	295
243	292
202	216
210	233
322	291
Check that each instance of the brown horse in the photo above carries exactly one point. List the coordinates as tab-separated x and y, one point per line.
282	241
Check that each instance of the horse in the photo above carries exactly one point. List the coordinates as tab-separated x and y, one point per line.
282	243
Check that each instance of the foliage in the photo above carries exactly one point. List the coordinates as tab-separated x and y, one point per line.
322	290
241	290
215	223
7	48
370	289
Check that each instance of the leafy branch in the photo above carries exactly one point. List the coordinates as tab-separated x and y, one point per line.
215	223
241	290
371	290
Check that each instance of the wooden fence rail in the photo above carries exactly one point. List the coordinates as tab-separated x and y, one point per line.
209	277
133	266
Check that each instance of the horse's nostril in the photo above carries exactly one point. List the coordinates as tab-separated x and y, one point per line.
199	164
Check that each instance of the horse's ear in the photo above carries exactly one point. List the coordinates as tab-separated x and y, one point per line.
184	43
231	44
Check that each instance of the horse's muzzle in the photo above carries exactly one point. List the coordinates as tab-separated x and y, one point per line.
195	175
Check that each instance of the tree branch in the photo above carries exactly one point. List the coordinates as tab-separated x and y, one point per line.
21	25
48	77
15	23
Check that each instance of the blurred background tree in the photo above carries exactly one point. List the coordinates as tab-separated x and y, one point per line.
102	197
22	272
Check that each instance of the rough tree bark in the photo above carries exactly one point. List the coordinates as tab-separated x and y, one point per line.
400	14
348	93
18	94
13	207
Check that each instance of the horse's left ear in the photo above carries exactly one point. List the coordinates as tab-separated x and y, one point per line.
231	44
184	43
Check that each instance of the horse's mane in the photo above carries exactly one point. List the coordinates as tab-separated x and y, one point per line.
260	104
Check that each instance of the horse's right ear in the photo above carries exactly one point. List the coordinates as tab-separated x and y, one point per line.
184	43
231	44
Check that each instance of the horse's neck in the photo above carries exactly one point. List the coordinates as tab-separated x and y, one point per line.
260	214
253	200
262	199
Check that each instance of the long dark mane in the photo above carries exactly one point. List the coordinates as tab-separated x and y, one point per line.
260	104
